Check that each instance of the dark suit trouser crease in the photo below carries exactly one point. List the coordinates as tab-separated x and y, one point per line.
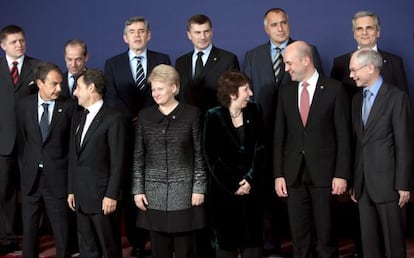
309	211
381	219
99	235
33	206
8	201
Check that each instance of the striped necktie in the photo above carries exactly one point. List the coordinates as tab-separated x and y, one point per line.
14	72
277	64
140	75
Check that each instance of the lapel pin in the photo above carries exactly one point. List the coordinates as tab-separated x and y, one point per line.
215	59
60	110
247	121
322	87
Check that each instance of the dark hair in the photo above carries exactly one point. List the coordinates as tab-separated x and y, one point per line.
77	42
96	77
198	19
10	29
42	69
228	84
135	19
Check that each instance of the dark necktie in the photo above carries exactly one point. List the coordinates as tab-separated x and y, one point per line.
304	103
81	126
199	65
14	72
140	75
73	85
44	121
277	64
367	105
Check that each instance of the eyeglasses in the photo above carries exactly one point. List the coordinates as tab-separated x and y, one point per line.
354	70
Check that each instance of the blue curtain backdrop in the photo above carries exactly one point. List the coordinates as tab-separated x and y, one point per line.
238	25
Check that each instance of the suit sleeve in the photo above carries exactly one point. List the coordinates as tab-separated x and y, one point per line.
342	120
138	176
200	177
279	138
403	128
116	138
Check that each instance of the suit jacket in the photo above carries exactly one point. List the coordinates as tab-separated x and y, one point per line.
9	95
384	148
258	66
230	160
202	92
53	152
323	144
65	85
122	93
96	168
392	71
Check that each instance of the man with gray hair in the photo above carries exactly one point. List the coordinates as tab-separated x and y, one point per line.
383	129
128	92
366	28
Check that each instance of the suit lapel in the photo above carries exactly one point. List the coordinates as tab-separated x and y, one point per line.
97	120
24	73
316	100
213	58
5	73
379	103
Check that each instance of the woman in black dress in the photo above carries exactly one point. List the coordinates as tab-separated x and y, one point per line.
234	150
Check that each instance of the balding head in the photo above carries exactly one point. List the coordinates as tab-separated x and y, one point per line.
299	61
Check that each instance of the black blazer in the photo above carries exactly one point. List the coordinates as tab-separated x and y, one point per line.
9	96
96	168
384	148
392	71
122	93
258	66
324	143
202	92
53	152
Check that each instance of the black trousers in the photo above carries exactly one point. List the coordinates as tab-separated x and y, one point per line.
309	211
8	201
33	205
99	235
382	225
164	245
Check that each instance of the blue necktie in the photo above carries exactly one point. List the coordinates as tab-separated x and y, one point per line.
44	121
366	106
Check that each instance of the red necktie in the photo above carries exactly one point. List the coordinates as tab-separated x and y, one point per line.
14	72
304	103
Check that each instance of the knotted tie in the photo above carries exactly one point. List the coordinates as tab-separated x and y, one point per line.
140	75
199	65
14	72
44	121
277	64
304	103
81	126
74	84
366	106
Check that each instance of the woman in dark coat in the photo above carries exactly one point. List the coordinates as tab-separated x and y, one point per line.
234	148
169	178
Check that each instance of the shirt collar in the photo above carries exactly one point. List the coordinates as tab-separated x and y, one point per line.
313	79
132	55
10	61
95	107
375	87
205	51
281	46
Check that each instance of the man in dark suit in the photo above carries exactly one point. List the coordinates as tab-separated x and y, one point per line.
311	150
366	27
16	78
383	126
76	56
96	167
43	159
366	30
198	83
129	94
259	66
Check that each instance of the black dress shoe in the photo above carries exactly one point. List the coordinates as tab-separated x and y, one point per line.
10	248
